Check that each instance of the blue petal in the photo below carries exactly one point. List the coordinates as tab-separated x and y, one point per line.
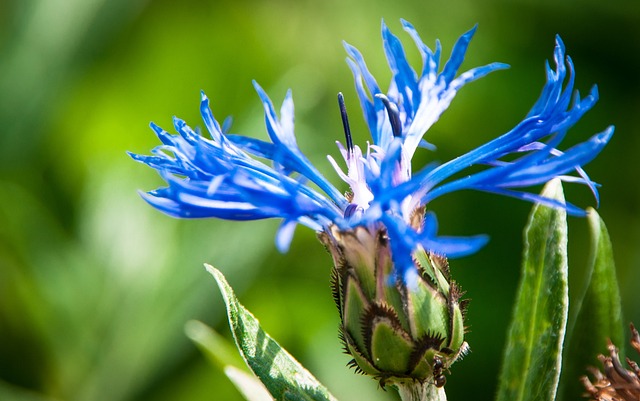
218	178
534	198
254	146
366	104
578	155
404	241
163	135
369	80
226	125
476	73
429	60
457	55
281	133
453	247
403	75
209	121
532	129
285	235
419	99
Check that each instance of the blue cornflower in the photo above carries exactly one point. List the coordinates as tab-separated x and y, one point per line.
224	175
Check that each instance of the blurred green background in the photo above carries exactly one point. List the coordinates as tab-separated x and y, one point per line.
95	286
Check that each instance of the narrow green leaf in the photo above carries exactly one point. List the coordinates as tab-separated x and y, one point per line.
533	354
250	387
282	375
600	314
219	350
224	355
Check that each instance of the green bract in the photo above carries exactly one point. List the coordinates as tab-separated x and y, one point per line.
395	332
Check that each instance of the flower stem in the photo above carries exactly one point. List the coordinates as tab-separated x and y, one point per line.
416	391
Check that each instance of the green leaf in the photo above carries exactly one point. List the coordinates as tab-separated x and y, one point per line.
282	375
533	354
599	314
218	350
224	355
250	387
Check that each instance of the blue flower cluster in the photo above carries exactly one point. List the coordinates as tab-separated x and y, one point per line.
223	175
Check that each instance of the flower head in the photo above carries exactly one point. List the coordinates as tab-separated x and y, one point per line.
223	175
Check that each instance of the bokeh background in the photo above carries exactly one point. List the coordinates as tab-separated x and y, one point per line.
95	286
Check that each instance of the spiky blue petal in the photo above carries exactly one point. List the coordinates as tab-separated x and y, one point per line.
242	178
420	99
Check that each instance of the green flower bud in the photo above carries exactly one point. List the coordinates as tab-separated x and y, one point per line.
395	332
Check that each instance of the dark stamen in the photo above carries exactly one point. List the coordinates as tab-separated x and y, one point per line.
394	114
345	123
352	209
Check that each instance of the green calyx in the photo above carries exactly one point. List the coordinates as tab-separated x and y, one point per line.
394	333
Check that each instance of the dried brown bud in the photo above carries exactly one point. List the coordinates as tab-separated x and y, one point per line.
616	383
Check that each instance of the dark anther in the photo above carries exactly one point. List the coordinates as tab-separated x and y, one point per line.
353	209
394	114
345	122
